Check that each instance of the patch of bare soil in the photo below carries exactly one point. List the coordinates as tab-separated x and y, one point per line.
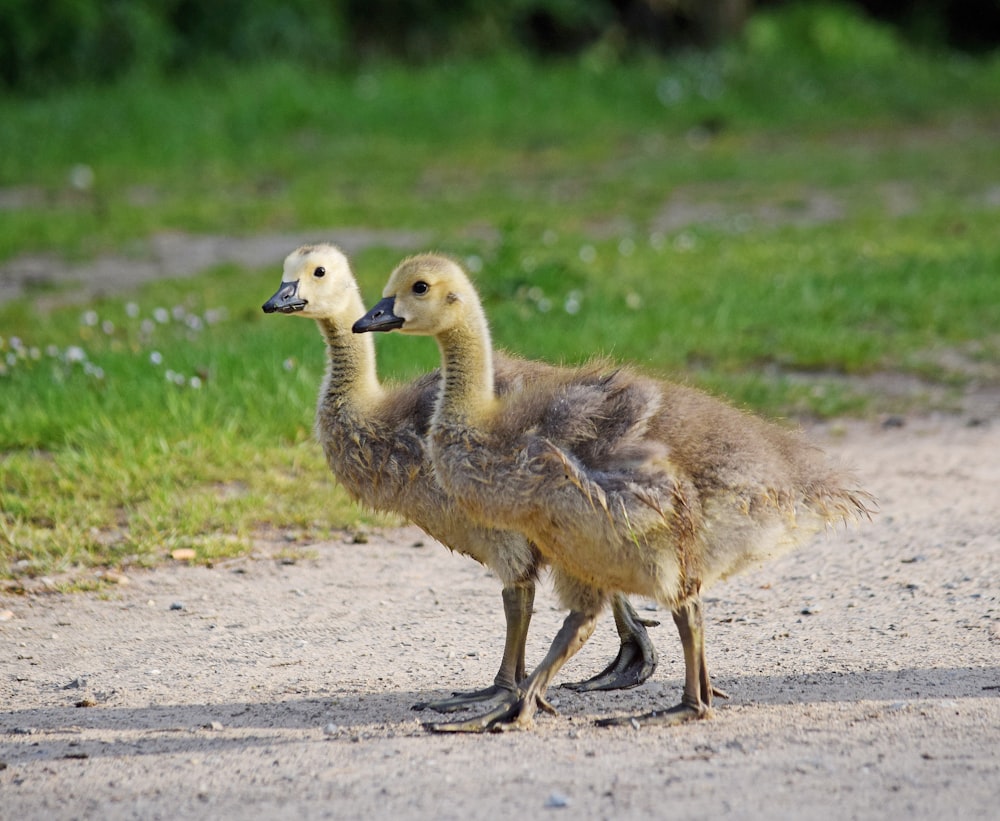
864	672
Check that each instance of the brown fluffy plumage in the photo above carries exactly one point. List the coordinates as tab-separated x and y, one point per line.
625	482
374	439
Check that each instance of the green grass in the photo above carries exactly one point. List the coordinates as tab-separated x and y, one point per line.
770	222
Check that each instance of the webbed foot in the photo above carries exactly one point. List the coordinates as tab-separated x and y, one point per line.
515	712
636	661
664	718
463	701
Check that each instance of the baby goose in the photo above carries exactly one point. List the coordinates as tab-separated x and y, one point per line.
624	482
373	437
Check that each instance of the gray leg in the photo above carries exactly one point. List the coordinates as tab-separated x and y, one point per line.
698	691
636	660
517	712
518	601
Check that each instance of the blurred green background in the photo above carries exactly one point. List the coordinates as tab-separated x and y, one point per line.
791	204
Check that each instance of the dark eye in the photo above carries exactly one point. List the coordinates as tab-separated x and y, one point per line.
420	288
320	271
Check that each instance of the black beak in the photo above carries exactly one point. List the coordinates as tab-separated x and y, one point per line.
379	318
286	300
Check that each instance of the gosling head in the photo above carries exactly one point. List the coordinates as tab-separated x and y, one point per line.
317	283
426	295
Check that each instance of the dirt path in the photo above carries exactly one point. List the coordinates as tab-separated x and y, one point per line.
864	673
174	255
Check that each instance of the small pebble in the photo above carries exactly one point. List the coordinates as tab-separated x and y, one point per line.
176	606
331	729
76	684
214	725
183	554
557	801
6	615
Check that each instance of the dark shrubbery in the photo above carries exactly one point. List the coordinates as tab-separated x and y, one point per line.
46	43
50	42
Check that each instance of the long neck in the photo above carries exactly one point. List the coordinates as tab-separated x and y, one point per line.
467	370
351	379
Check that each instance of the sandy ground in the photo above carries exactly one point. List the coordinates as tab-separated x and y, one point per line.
864	672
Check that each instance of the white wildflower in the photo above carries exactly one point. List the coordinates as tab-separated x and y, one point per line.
81	177
572	303
685	242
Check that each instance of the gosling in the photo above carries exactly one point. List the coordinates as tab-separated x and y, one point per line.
373	437
624	483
